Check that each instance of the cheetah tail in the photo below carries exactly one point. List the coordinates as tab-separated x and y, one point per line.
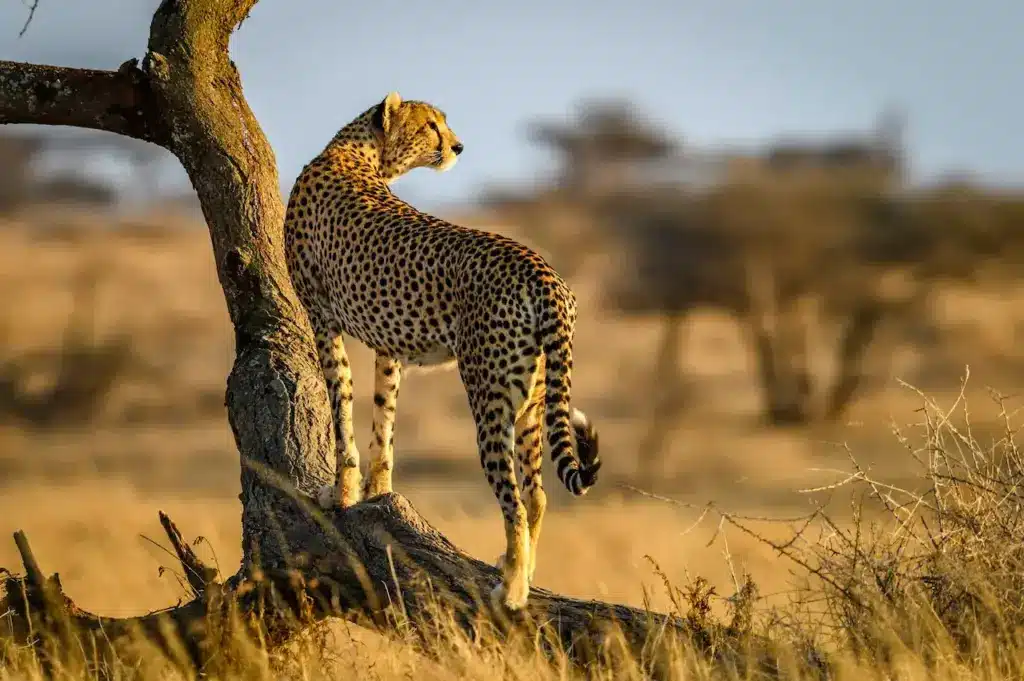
572	437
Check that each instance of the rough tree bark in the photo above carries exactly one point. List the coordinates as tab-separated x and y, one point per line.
298	564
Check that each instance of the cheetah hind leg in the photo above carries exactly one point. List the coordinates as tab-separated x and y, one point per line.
529	451
494	416
514	588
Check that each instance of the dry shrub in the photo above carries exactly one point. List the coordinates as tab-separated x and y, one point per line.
931	571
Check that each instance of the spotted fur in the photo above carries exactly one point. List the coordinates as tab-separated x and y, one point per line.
420	291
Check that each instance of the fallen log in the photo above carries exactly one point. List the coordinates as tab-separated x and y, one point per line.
379	563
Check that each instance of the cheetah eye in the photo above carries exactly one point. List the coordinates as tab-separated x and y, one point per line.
433	126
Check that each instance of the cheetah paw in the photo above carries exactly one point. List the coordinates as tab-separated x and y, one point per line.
513	600
329	496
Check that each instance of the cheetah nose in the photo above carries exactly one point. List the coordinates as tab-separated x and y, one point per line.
457	148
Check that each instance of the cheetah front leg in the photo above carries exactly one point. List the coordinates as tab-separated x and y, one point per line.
387	380
338	375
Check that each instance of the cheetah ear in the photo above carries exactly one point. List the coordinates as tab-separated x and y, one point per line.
385	112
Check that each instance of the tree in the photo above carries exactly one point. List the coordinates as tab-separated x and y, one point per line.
810	269
598	151
298	563
85	369
144	159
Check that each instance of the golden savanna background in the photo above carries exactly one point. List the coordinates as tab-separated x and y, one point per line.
754	324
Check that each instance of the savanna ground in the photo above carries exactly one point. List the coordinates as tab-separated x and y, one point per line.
87	490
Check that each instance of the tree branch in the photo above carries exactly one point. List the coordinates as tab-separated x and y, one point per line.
200	577
28	20
115	101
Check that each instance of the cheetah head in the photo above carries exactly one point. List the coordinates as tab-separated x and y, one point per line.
412	135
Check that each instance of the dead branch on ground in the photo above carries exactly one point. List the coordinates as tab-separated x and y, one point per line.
378	563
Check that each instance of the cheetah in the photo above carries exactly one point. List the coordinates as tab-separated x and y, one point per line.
422	292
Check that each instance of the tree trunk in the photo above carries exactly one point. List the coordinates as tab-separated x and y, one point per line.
781	369
668	399
853	346
785	389
276	398
298	564
759	315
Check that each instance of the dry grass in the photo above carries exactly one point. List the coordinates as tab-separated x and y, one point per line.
921	581
934	594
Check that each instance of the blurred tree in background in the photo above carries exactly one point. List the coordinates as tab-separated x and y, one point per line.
59	167
812	246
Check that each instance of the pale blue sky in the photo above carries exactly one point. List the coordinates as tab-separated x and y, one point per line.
713	71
